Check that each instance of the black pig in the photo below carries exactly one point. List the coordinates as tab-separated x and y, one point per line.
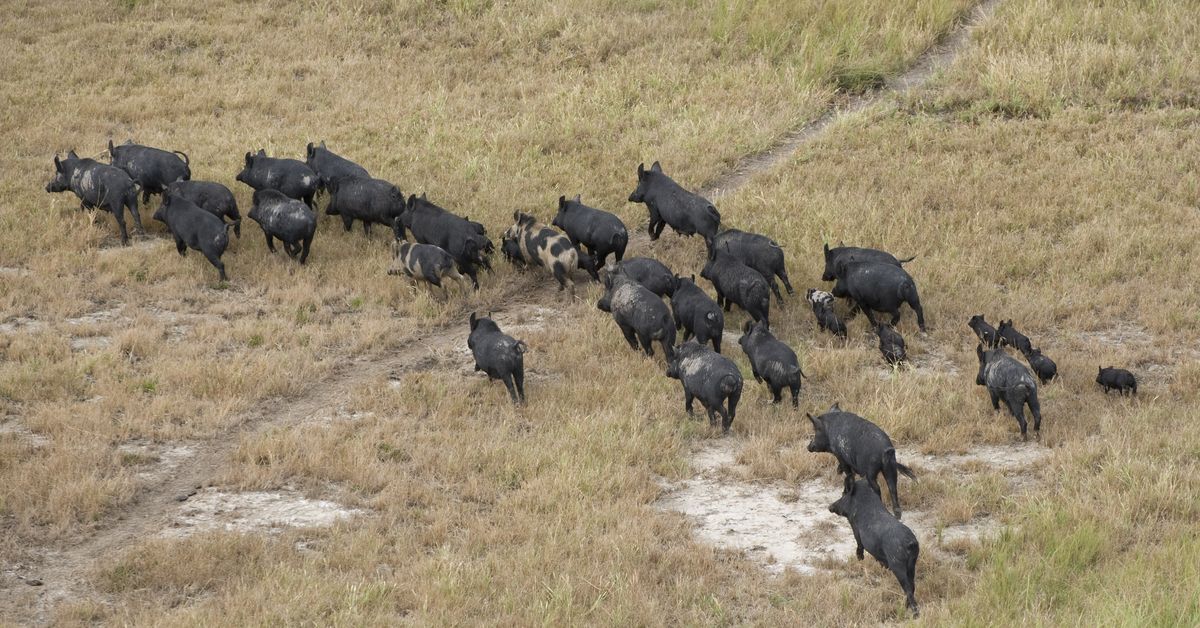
1045	368
330	166
290	176
600	232
891	344
498	355
196	229
986	333
372	201
464	240
771	360
710	377
152	168
212	197
696	313
860	447
1116	379
758	252
875	287
98	185
888	540
842	255
651	273
285	218
670	204
641	314
1010	337
737	283
1007	378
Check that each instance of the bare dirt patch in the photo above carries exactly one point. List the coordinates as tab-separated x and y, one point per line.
784	526
256	511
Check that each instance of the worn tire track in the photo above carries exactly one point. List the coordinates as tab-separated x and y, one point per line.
65	571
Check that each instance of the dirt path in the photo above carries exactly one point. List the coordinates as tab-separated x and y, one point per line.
62	573
936	58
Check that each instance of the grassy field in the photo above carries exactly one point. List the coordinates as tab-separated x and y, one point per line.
1049	176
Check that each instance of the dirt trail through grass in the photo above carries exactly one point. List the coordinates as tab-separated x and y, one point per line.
63	573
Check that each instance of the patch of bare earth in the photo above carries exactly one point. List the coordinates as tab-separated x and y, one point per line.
788	526
253	511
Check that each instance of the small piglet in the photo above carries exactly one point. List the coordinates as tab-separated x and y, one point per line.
1116	379
758	252
600	232
498	355
696	313
860	447
670	204
98	185
986	333
372	201
771	360
196	229
1007	378
290	176
891	344
285	218
152	168
1010	337
424	262
1045	368
737	283
511	250
641	314
710	377
822	307
212	197
651	273
888	540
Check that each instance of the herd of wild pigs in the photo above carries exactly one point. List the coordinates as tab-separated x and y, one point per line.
742	267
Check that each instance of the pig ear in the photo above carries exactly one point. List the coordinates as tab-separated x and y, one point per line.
57	164
693	277
110	147
249	158
835	407
517	216
746	327
71	154
473	321
641	171
262	152
655	167
424	197
578	198
322	143
309	149
816	420
826	249
562	202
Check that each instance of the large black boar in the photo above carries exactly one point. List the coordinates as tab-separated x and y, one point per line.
373	201
464	240
196	229
285	218
841	255
152	168
100	186
330	166
986	333
212	197
888	540
758	252
290	176
696	313
651	273
737	283
860	447
499	355
1006	378
771	360
875	287
1010	337
710	377
423	262
1116	379
670	204
600	232
641	314
545	247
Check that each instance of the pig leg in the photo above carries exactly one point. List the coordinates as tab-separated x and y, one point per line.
776	393
646	346
347	223
795	395
890	476
775	289
511	386
118	212
630	336
906	583
717	343
304	250
560	275
308	200
915	303
734	398
215	260
1017	407
845	469
754	372
1036	409
712	415
133	209
270	241
995	399
179	245
688	398
519	381
782	273
858	551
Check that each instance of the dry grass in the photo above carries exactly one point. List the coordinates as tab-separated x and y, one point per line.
1076	222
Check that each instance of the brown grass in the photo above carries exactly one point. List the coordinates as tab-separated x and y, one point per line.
1076	222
